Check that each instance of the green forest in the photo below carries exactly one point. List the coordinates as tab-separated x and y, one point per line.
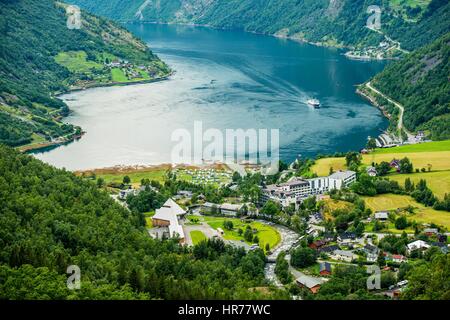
420	83
33	33
50	219
336	23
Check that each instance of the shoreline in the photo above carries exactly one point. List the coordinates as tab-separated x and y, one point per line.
49	144
114	84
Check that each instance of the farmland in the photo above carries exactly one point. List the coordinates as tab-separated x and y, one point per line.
436	154
421	214
437	181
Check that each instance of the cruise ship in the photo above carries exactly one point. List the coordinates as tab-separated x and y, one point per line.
314	102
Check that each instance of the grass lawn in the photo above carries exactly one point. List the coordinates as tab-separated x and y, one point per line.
118	75
421	147
437	181
322	166
157	174
148	222
76	61
422	213
197	236
390	229
266	234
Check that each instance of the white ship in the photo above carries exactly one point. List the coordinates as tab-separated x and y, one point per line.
314	102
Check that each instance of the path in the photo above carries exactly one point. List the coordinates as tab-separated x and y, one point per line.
203	227
400	125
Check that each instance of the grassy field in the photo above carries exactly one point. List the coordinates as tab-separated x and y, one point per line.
390	229
116	175
438	181
422	213
331	205
322	166
266	234
421	147
118	75
439	160
437	154
76	61
197	236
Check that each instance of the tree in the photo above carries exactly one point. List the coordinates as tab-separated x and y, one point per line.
359	229
381	261
401	223
429	281
371	144
353	158
267	247
255	239
271	208
126	180
406	166
282	269
228	225
409	186
383	168
248	234
303	257
100	182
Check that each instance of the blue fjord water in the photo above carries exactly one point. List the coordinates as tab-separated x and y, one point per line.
227	80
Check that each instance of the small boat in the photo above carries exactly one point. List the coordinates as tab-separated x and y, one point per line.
314	102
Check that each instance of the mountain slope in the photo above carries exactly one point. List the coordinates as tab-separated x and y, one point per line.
50	219
420	82
41	56
332	22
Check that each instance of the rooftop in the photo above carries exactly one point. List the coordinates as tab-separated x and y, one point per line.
309	282
341	175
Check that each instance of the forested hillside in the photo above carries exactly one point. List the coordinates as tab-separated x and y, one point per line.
41	56
332	22
420	83
50	219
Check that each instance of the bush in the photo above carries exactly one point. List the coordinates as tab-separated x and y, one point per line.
303	257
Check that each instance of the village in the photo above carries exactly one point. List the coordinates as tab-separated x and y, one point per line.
374	239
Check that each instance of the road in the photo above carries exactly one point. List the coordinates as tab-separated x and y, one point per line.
400	125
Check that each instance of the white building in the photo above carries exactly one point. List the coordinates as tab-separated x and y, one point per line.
229	209
168	216
417	245
382	215
298	189
344	255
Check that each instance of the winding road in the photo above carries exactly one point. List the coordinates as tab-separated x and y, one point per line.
400	125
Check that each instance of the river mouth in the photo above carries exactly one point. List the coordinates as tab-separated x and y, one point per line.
225	80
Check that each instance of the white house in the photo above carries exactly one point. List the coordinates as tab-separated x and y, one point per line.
371	171
168	216
417	245
382	215
344	255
